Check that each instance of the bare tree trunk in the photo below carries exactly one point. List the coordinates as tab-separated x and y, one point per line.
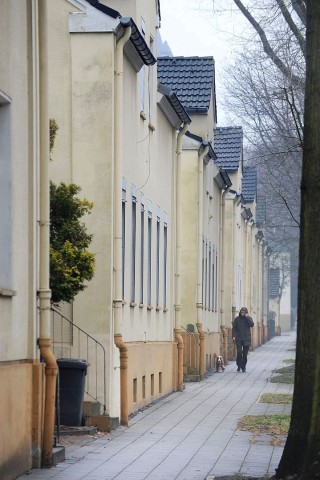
303	443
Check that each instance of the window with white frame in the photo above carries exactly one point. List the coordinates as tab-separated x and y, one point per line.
149	267
203	269
165	260
216	283
205	286
141	249
158	258
209	280
133	242
124	195
213	283
5	195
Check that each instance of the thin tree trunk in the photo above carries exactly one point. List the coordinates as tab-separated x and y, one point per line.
303	442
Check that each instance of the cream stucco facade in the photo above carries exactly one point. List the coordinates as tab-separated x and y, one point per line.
176	257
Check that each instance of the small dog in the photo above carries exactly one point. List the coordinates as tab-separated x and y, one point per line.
219	364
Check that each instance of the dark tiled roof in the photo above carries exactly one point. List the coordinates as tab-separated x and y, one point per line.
228	147
191	78
261	210
274	282
249	184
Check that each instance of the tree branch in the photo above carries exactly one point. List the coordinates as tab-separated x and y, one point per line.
299	7
293	27
267	47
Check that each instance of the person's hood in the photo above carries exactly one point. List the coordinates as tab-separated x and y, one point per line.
243	308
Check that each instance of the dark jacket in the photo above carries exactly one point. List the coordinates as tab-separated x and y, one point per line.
241	330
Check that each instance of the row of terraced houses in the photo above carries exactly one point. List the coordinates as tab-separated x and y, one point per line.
177	241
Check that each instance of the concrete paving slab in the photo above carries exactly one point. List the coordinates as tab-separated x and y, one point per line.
190	435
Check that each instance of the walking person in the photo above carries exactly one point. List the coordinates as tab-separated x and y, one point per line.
241	335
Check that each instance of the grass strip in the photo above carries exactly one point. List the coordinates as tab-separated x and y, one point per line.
269	424
276	398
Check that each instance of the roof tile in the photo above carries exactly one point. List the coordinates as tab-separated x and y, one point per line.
228	147
191	78
249	184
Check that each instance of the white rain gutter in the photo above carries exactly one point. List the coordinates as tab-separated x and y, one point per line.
177	303
117	301
44	293
201	155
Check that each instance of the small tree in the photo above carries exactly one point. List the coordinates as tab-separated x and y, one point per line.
70	262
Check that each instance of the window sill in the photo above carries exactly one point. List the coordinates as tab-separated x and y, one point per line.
7	292
158	308
151	127
143	116
133	304
149	307
141	305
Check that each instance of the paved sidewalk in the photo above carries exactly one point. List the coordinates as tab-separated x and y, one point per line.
190	435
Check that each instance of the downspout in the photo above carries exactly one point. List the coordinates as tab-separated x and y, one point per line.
117	301
223	325
177	303
246	263
234	256
201	155
44	293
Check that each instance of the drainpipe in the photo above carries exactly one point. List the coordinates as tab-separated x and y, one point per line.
117	301
246	264
44	293
223	324
201	154
223	254
177	303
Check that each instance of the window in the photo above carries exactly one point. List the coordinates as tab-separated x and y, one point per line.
143	387
135	390
158	258
165	260
216	284
141	249
213	286
209	280
5	195
149	253
203	272
133	242
124	193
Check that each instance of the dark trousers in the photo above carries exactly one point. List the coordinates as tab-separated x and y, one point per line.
242	355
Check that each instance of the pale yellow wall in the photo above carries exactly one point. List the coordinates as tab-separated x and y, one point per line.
189	255
18	313
228	266
84	109
202	125
83	154
15	418
150	359
211	232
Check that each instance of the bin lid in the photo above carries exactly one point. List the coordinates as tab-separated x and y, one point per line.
72	363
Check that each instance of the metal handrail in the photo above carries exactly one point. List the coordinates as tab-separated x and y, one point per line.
89	340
